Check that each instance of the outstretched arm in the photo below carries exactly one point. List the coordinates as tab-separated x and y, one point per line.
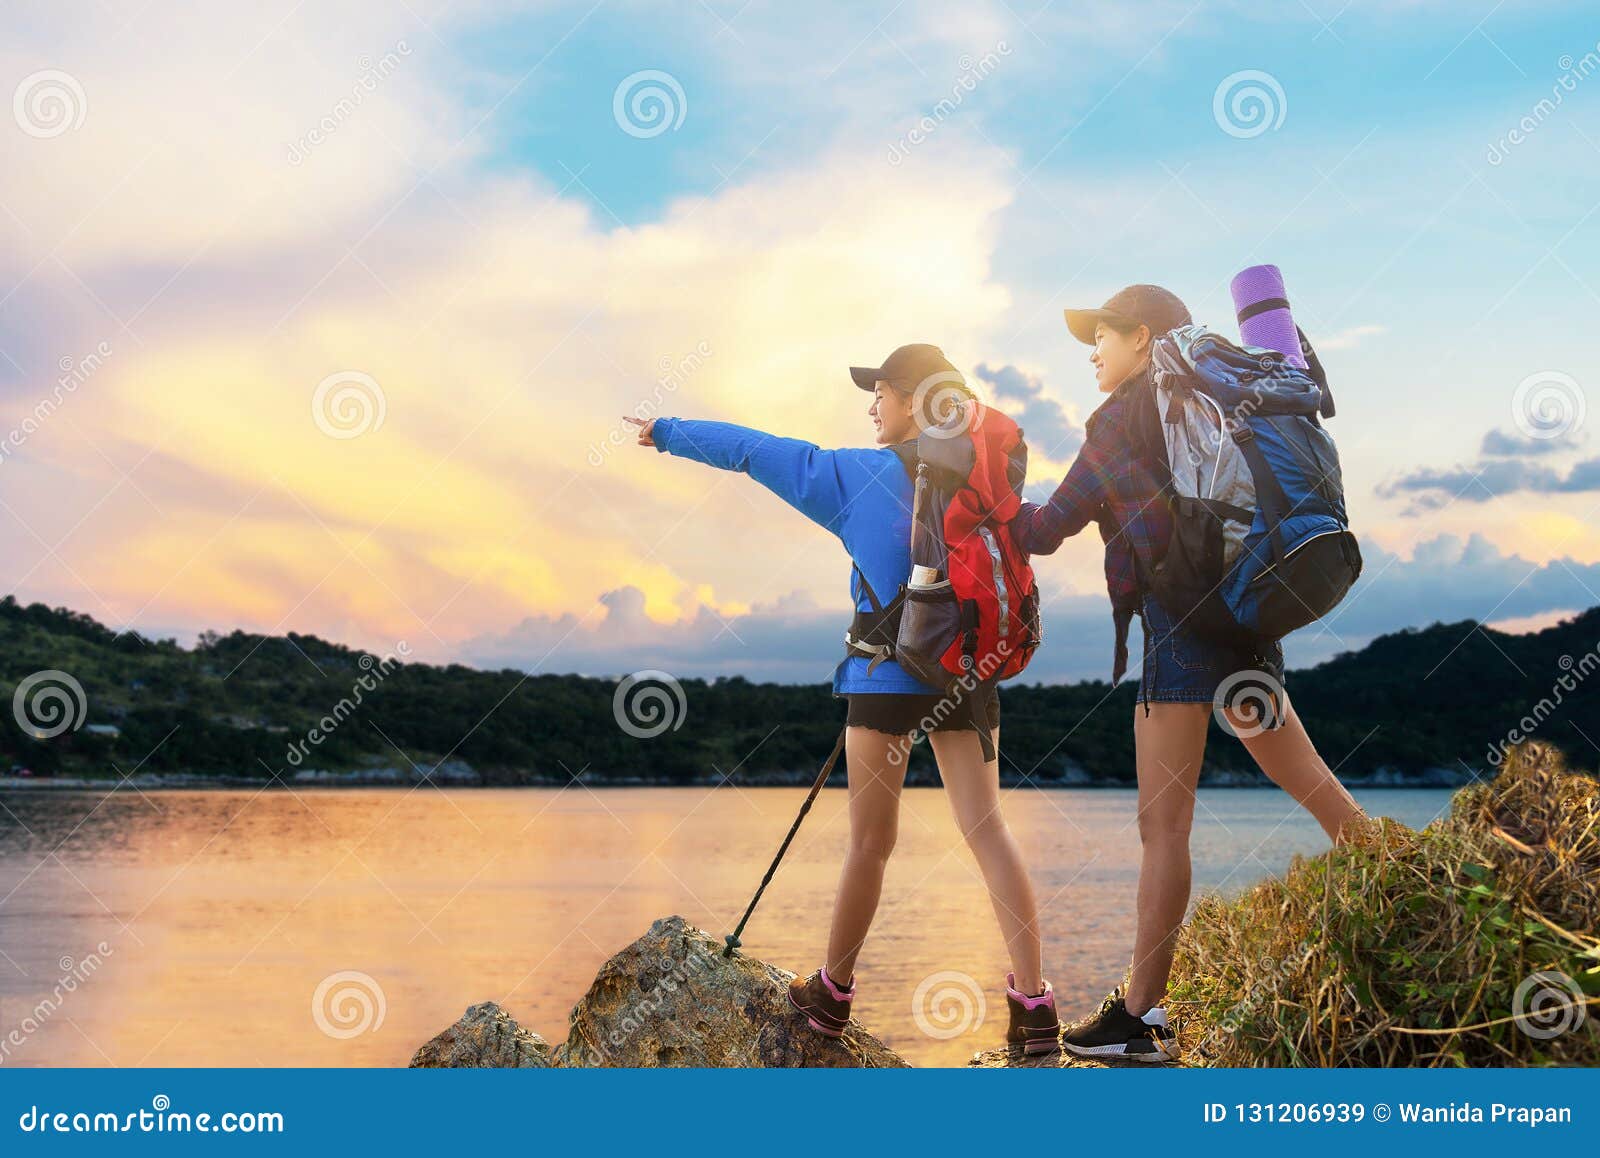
800	473
1039	530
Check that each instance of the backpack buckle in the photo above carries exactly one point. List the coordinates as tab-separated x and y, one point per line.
1242	433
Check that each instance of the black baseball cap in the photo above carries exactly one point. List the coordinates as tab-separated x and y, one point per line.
915	363
1141	305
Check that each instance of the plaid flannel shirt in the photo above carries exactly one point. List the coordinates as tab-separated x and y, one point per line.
1115	483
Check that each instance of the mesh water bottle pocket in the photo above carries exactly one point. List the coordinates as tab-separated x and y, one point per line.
929	621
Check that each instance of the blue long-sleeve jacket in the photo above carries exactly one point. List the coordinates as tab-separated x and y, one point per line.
864	496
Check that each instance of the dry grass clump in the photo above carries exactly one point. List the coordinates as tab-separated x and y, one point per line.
1470	943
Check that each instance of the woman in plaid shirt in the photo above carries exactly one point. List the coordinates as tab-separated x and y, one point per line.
1117	482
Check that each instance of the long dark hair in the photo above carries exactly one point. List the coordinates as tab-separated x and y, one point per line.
1139	427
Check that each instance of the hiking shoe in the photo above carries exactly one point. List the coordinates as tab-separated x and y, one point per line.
826	1006
1114	1032
1034	1024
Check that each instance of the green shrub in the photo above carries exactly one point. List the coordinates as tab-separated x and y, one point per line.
1470	943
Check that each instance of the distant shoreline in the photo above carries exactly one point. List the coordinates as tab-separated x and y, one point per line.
357	780
245	710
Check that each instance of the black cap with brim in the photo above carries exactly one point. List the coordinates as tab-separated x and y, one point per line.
914	363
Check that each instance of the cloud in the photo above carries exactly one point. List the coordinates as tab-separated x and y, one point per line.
1445	580
439	239
189	129
504	323
788	640
793	640
1050	430
1054	436
1348	339
1504	443
1490	479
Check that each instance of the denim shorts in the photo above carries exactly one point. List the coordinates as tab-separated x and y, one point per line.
1181	668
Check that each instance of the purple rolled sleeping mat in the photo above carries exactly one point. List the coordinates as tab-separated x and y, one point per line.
1262	306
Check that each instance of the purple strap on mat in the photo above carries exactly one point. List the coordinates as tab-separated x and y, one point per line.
1271	329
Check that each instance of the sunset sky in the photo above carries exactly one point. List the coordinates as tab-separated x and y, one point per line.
322	318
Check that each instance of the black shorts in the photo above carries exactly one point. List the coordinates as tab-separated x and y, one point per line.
900	715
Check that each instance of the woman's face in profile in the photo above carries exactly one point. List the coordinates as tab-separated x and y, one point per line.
890	411
1117	355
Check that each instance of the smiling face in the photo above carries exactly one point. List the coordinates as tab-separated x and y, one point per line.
1117	354
891	413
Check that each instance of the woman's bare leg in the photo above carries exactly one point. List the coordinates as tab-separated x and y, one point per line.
1290	761
973	786
1169	743
876	763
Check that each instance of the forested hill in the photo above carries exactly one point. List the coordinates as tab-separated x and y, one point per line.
1418	706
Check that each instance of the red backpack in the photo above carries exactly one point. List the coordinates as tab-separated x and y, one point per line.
969	615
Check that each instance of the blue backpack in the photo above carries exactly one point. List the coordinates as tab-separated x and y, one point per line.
1261	543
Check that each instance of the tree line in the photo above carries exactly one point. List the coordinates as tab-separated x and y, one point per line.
239	705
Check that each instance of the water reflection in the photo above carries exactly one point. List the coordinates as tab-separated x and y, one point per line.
222	912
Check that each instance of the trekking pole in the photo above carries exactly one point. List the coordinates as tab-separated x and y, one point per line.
822	778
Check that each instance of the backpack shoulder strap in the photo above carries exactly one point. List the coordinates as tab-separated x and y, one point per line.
906	452
1318	374
873	633
1274	502
872	596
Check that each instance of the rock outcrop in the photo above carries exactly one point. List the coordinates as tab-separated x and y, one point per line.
1014	1059
672	999
487	1037
669	999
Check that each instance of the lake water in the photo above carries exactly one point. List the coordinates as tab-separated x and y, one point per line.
222	913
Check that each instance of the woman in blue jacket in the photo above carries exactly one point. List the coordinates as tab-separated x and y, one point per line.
864	496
